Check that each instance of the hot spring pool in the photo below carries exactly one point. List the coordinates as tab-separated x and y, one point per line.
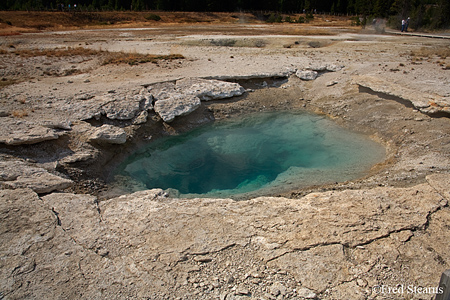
262	153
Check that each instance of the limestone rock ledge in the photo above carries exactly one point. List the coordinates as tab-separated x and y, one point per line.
183	96
426	103
175	106
108	134
18	132
328	244
19	174
171	99
312	71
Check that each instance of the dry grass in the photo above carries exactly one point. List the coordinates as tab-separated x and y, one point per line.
110	57
5	82
137	58
442	52
436	55
19	113
305	30
9	33
78	51
106	56
228	42
22	21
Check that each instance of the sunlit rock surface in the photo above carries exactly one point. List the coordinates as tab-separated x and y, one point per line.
325	241
16	174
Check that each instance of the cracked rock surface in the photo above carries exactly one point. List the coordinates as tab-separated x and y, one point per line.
215	246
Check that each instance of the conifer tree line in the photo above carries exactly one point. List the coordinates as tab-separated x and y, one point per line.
423	13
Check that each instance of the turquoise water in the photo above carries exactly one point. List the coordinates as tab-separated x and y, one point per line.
258	154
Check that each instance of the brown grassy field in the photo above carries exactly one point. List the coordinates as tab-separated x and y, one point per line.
16	22
110	57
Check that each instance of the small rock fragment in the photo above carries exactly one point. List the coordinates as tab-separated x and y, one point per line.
242	291
109	134
141	118
307	75
203	259
306	293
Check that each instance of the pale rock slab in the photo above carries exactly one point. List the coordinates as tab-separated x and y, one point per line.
334	68
312	71
79	157
55	124
343	218
209	89
306	75
18	174
317	67
84	109
162	90
18	132
41	261
423	256
349	290
325	67
78	216
121	110
183	96
306	293
134	238
109	134
384	210
440	182
318	268
425	102
176	106
125	106
42	182
275	74
141	118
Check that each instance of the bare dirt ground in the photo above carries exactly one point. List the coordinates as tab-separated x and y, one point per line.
348	240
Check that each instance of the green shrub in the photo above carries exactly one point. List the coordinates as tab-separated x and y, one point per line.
356	21
224	42
275	18
153	17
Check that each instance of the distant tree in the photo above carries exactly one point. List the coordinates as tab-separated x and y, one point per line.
401	8
307	5
443	14
381	8
290	5
340	6
430	14
351	9
137	5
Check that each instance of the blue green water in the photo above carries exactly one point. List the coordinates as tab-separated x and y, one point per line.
257	154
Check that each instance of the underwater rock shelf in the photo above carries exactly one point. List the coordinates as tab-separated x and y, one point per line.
263	153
